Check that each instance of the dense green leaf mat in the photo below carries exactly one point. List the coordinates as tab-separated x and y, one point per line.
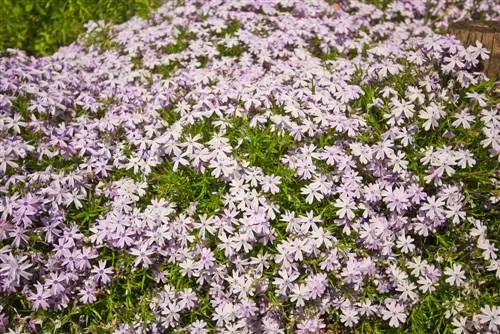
40	27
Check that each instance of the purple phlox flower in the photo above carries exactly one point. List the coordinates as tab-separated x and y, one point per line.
349	316
490	316
393	312
88	293
39	298
142	253
310	325
346	206
300	294
101	273
14	268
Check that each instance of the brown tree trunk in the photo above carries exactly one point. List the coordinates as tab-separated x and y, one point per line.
488	33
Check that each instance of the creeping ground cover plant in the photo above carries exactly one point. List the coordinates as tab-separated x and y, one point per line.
253	166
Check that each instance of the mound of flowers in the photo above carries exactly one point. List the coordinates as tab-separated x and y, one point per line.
267	166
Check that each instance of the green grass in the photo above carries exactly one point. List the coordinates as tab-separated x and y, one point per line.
40	27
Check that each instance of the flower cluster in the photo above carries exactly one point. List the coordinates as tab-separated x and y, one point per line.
254	167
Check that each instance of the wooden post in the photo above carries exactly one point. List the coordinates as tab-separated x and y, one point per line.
488	33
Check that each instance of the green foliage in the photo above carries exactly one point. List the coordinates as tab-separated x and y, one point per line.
234	51
92	207
40	27
186	186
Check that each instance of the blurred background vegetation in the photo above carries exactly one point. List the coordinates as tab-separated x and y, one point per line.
40	27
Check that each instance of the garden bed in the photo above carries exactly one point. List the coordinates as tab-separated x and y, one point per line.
253	167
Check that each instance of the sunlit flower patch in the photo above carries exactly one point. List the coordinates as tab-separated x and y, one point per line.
253	167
